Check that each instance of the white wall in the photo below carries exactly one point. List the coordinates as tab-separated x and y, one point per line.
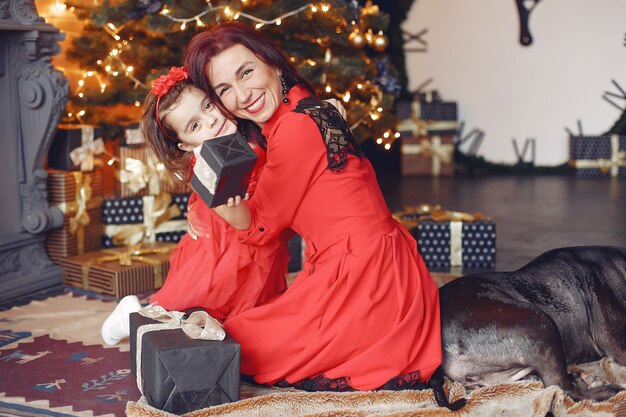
512	91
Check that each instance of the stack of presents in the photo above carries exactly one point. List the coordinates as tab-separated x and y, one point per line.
447	240
123	216
427	126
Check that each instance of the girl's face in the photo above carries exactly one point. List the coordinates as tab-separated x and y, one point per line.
195	119
247	86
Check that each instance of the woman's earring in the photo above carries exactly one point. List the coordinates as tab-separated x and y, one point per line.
285	90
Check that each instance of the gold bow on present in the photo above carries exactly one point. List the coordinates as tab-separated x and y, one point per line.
431	148
125	256
84	155
612	165
199	325
415	124
156	210
81	218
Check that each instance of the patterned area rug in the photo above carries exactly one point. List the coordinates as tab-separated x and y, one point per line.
53	363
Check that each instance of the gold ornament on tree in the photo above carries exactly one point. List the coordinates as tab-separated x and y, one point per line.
356	38
380	42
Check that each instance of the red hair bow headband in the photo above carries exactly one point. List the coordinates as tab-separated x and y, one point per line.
162	85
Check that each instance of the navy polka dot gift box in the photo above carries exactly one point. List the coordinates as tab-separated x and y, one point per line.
598	156
126	211
448	239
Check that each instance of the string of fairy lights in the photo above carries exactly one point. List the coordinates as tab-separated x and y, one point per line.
114	65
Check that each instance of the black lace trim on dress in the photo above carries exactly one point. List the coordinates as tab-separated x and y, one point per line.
321	383
334	129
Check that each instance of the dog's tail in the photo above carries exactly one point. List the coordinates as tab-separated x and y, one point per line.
436	383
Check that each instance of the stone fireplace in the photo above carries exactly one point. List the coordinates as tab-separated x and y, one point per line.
33	96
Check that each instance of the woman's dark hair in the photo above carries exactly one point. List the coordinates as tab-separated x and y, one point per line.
206	45
166	150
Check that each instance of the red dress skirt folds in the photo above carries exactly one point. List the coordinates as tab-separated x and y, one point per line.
365	309
218	273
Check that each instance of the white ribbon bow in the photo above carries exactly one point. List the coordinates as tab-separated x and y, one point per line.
84	154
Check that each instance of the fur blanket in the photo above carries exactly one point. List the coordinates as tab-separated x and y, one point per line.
519	399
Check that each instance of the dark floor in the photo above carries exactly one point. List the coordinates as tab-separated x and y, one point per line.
533	213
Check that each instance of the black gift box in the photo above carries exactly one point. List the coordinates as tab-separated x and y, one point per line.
181	374
223	168
66	139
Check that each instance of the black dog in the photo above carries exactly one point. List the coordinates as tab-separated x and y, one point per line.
567	306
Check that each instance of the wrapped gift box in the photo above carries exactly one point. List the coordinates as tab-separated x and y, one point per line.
128	210
140	174
74	147
125	215
598	156
181	374
427	156
222	170
103	271
422	117
61	243
82	227
63	186
445	243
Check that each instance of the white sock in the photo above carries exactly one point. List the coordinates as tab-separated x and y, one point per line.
116	327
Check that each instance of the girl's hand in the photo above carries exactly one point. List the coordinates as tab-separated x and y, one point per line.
235	201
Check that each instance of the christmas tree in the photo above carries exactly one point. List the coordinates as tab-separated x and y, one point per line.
340	46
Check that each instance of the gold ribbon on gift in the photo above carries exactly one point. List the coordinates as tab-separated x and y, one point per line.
612	165
437	214
199	325
85	154
415	124
125	257
421	127
431	148
156	210
78	208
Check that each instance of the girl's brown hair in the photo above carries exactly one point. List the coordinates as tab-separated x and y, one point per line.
166	150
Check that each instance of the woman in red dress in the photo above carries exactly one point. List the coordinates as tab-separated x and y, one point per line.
365	309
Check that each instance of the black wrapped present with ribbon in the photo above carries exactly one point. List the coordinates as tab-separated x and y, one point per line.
75	147
448	239
132	135
183	364
598	156
132	220
222	170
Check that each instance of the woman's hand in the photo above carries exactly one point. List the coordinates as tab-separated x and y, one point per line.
339	105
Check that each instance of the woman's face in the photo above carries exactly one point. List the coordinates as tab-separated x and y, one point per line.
195	119
247	86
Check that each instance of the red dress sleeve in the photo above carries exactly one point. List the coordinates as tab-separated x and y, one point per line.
296	157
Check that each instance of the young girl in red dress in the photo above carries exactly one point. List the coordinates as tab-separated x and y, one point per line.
210	267
364	312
